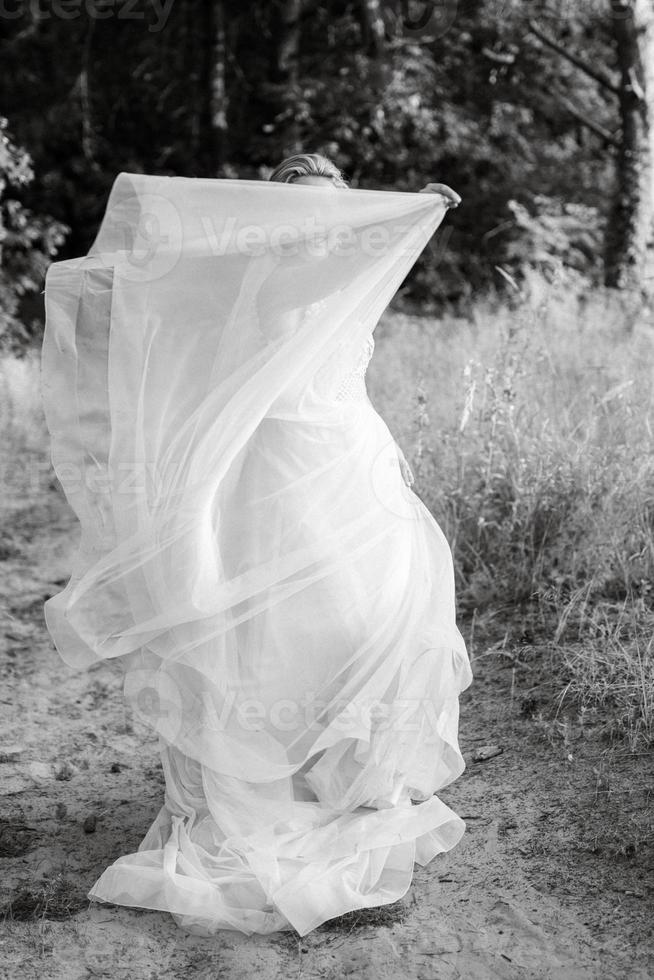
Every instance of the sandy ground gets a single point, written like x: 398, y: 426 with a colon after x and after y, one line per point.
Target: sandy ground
x: 552, y: 879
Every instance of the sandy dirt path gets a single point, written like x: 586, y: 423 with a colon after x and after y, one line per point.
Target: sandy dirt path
x: 552, y: 879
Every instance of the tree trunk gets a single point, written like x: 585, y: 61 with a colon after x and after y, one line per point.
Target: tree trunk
x: 219, y: 100
x: 214, y: 94
x: 192, y: 41
x: 374, y: 31
x: 630, y: 224
x: 288, y: 70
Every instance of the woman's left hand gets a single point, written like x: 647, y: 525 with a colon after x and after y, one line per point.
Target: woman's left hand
x: 453, y: 199
x: 405, y: 469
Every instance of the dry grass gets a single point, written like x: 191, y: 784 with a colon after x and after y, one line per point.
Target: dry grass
x: 56, y: 899
x: 579, y: 822
x: 21, y: 415
x: 610, y: 667
x: 25, y: 469
x: 380, y: 915
x: 530, y: 430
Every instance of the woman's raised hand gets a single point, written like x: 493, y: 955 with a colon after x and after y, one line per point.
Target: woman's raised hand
x: 453, y: 199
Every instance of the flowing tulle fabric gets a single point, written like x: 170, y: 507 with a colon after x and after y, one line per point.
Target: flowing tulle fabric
x: 281, y: 602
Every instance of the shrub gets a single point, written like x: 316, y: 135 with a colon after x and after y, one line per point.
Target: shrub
x: 27, y: 244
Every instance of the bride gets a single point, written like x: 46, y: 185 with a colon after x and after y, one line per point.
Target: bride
x: 251, y: 552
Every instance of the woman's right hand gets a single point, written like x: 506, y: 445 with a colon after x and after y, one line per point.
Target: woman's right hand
x: 453, y: 199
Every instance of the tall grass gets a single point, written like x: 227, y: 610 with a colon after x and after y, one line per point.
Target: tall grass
x: 531, y: 436
x: 22, y: 426
x: 25, y: 470
x: 530, y: 428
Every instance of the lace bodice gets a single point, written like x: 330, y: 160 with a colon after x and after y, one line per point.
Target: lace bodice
x: 341, y: 378
x: 353, y: 385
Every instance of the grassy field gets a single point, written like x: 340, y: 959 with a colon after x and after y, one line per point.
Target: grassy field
x: 530, y: 432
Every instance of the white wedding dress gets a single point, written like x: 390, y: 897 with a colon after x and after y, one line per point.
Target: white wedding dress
x: 283, y: 604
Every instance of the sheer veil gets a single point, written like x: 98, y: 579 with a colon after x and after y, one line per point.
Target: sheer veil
x: 202, y: 307
x: 232, y: 539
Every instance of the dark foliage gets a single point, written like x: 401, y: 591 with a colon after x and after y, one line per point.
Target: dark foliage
x: 466, y: 96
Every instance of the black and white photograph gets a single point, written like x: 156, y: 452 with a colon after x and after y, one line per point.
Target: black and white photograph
x: 326, y: 489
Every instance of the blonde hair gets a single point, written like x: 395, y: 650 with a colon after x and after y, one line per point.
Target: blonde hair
x: 307, y: 165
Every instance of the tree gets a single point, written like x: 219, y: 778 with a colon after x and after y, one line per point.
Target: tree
x: 27, y: 244
x: 629, y: 229
x: 287, y: 72
x: 221, y: 89
x: 374, y: 30
x: 630, y: 226
x: 214, y: 99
